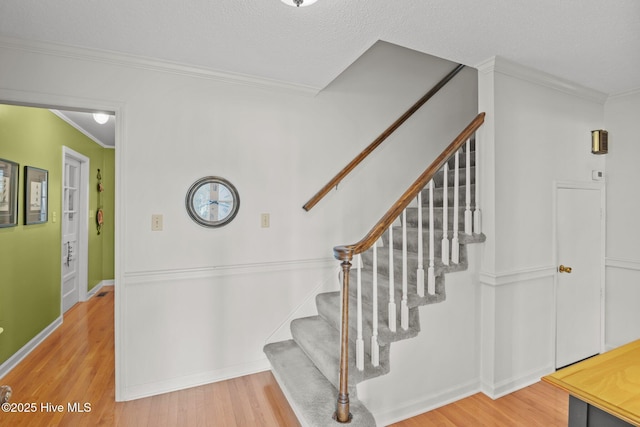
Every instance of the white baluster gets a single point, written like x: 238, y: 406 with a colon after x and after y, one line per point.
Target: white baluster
x: 431, y: 276
x: 477, y: 215
x: 455, y: 247
x: 375, y: 348
x: 420, y: 272
x: 404, y: 308
x: 359, y: 340
x: 445, y: 216
x: 392, y: 291
x: 468, y: 218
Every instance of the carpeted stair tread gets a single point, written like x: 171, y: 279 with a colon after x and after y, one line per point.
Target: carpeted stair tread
x: 412, y: 217
x: 462, y: 160
x: 321, y: 343
x: 412, y: 265
x: 438, y: 178
x: 383, y: 291
x: 438, y: 195
x: 412, y: 239
x: 329, y: 306
x: 311, y: 395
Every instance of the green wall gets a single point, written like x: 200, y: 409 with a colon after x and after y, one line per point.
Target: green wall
x: 30, y: 256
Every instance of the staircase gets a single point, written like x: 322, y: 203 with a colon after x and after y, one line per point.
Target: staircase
x: 307, y: 367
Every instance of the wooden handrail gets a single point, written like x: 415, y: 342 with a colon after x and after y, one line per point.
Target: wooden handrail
x: 346, y: 252
x: 384, y: 135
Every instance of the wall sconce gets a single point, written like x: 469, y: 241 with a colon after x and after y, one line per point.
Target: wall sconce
x: 298, y: 3
x: 599, y: 141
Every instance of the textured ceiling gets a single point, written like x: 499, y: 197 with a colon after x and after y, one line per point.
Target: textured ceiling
x: 595, y: 43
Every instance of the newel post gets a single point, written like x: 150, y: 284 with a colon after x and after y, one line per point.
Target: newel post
x: 342, y: 414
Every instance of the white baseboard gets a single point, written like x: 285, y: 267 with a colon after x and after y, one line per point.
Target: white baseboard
x: 495, y: 391
x: 99, y: 286
x: 17, y: 357
x: 434, y: 401
x: 151, y: 389
x: 425, y: 404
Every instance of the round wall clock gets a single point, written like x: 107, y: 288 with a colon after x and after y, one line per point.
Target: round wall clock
x: 212, y: 201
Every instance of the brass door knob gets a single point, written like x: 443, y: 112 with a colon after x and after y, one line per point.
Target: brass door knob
x: 564, y: 269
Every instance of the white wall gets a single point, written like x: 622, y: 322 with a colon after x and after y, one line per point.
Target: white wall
x: 537, y: 132
x: 196, y: 305
x: 440, y: 364
x: 623, y: 204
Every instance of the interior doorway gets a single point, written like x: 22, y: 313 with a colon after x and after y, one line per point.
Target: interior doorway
x: 74, y: 224
x: 79, y: 107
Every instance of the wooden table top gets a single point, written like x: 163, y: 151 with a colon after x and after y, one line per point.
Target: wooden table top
x: 609, y: 381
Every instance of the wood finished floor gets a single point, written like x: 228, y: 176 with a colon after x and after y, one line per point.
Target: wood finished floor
x: 76, y: 364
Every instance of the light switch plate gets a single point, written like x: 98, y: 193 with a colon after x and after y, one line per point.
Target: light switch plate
x: 156, y: 222
x: 265, y: 220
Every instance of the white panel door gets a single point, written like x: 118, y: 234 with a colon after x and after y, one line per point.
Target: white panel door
x: 578, y: 292
x: 70, y: 231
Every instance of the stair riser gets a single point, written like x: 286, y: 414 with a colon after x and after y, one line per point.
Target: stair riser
x: 462, y: 160
x: 412, y: 265
x: 438, y: 196
x: 329, y: 309
x: 383, y: 265
x: 329, y: 304
x: 438, y: 178
x: 412, y: 218
x: 383, y: 288
x: 412, y: 241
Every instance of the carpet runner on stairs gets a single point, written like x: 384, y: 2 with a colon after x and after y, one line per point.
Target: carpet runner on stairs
x: 307, y: 366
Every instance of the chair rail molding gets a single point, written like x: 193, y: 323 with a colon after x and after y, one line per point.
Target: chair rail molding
x: 624, y: 263
x: 516, y: 276
x: 138, y: 277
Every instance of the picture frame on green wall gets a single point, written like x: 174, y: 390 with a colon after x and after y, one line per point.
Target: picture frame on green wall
x: 8, y: 193
x: 36, y: 182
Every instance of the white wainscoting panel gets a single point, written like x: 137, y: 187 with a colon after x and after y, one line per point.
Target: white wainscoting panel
x: 622, y: 296
x: 191, y: 327
x: 517, y: 328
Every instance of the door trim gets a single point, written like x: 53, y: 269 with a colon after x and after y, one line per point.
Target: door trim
x: 580, y: 185
x: 83, y: 228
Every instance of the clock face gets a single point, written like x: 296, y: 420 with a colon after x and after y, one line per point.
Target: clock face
x: 212, y: 201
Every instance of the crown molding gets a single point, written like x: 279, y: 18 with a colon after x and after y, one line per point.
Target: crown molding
x: 151, y: 64
x: 79, y: 128
x: 625, y: 94
x: 504, y: 66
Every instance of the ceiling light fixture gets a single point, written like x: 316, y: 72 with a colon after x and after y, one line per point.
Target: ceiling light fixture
x: 101, y: 118
x: 298, y: 3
